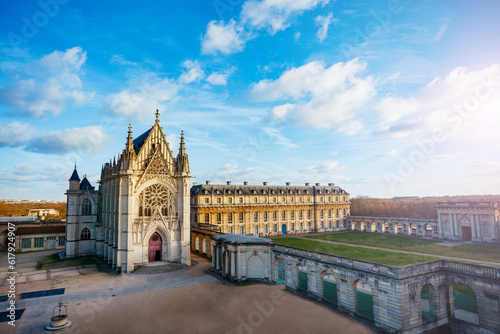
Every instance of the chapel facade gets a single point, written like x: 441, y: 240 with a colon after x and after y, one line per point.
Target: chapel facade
x: 140, y: 213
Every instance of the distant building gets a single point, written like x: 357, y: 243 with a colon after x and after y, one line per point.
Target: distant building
x: 35, y: 238
x: 469, y: 221
x: 270, y: 210
x: 43, y: 213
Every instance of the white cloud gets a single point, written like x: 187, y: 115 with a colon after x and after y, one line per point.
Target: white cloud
x: 389, y: 155
x: 144, y: 98
x: 194, y: 72
x: 223, y: 38
x: 278, y: 138
x: 46, y: 85
x: 323, y: 22
x: 220, y: 78
x: 391, y: 109
x: 275, y: 15
x: 14, y: 134
x: 82, y: 140
x: 296, y: 36
x: 325, y: 97
x: 272, y: 15
x: 322, y: 167
x: 463, y: 98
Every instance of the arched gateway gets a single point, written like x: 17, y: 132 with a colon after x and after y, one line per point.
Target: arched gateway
x: 154, y: 248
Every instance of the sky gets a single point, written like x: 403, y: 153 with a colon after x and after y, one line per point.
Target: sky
x: 383, y: 98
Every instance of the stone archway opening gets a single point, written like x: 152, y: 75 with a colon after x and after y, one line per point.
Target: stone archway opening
x: 154, y: 248
x: 363, y: 299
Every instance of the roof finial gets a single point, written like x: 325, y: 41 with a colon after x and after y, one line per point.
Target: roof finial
x: 75, y: 164
x: 157, y: 114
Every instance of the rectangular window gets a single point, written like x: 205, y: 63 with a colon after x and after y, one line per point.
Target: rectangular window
x: 329, y: 213
x: 265, y: 229
x: 265, y: 216
x: 255, y: 216
x: 62, y: 241
x: 321, y: 199
x: 207, y: 218
x: 301, y: 226
x: 51, y: 238
x: 283, y: 215
x: 207, y: 200
x: 255, y: 199
x: 329, y: 224
x: 26, y: 242
x: 241, y: 217
x: 219, y: 218
x: 308, y: 199
x: 300, y: 214
x: 308, y: 214
x: 242, y: 230
x: 337, y: 213
x: 275, y: 215
x: 256, y: 230
x: 292, y: 215
x: 309, y: 226
x: 322, y: 225
x: 38, y: 242
x: 300, y: 199
x: 275, y: 228
x: 293, y: 227
x: 241, y: 199
x: 230, y: 230
x: 230, y: 217
x: 219, y: 200
x: 230, y: 200
x: 321, y: 214
x: 338, y: 225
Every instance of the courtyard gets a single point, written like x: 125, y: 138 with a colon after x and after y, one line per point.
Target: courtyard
x: 186, y: 300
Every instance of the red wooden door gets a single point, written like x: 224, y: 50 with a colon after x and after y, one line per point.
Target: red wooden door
x: 154, y: 245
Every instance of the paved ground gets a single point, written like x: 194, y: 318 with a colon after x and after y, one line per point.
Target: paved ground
x: 160, y: 299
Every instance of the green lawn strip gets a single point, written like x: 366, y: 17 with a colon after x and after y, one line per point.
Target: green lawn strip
x: 488, y: 253
x: 53, y: 261
x: 359, y: 253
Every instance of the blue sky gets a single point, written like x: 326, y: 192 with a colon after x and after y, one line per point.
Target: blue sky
x: 383, y: 98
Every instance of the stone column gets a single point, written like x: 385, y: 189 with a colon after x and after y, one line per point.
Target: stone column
x: 479, y: 228
x: 233, y: 267
x: 213, y: 257
x: 494, y: 231
x: 238, y: 264
x: 440, y: 227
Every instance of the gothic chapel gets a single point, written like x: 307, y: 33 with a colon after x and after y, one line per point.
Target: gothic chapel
x: 140, y: 213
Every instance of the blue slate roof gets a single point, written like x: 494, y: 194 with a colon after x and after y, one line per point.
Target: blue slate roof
x: 85, y: 185
x: 139, y: 141
x: 74, y: 176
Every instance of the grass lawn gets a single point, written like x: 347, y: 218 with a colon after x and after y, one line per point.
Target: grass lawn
x: 372, y: 255
x: 53, y: 261
x: 488, y: 253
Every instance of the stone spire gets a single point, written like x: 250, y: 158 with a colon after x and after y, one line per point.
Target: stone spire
x: 157, y: 115
x: 182, y: 158
x: 130, y: 140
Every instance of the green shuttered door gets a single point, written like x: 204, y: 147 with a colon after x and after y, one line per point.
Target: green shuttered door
x: 364, y: 304
x: 330, y: 291
x: 302, y: 280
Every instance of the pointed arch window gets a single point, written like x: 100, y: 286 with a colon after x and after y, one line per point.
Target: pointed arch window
x: 86, y: 207
x: 85, y: 235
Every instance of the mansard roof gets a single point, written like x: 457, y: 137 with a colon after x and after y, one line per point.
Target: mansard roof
x: 85, y: 185
x: 74, y: 176
x: 208, y: 189
x: 139, y: 141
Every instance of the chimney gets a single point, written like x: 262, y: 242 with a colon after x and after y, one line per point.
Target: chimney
x: 195, y: 184
x: 208, y: 182
x: 264, y: 183
x: 307, y: 184
x: 331, y: 184
x: 245, y: 183
x: 317, y: 184
x: 228, y: 183
x: 288, y: 183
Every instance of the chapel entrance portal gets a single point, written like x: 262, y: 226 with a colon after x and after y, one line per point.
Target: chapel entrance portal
x: 466, y: 233
x: 154, y: 245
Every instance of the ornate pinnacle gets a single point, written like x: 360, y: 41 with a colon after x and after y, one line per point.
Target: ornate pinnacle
x: 130, y: 140
x: 157, y: 115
